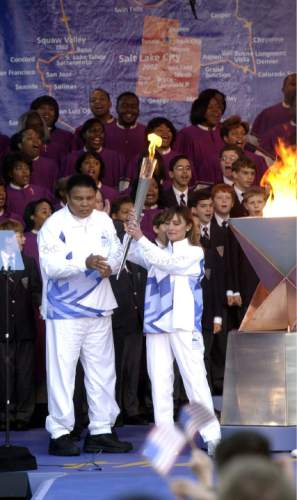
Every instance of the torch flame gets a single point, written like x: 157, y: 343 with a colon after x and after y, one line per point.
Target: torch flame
x: 281, y: 179
x: 155, y: 141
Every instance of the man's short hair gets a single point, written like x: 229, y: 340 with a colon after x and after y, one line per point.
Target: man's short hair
x: 222, y: 188
x: 231, y: 147
x: 100, y: 89
x: 243, y: 162
x: 255, y: 190
x: 118, y: 202
x: 239, y: 444
x: 175, y: 159
x: 196, y: 196
x: 126, y: 94
x: 80, y: 180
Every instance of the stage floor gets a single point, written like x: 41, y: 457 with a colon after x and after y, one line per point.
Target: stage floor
x: 102, y: 476
x: 121, y: 475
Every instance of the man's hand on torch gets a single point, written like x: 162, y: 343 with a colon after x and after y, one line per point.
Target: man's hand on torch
x: 100, y: 264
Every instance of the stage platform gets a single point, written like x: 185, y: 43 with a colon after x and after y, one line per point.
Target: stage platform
x: 121, y: 475
x: 101, y: 477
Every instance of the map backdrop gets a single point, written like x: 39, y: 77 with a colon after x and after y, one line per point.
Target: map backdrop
x: 166, y: 51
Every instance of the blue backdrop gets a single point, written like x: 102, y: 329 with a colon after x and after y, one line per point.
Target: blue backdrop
x: 165, y: 50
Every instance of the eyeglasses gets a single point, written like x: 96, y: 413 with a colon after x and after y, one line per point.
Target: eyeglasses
x: 186, y: 168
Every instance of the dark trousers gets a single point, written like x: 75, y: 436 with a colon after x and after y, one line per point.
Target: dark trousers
x: 128, y: 356
x: 21, y: 361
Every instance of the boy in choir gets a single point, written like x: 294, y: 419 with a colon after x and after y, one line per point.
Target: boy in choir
x: 45, y: 171
x: 229, y: 154
x: 244, y: 174
x: 245, y: 278
x: 202, y: 141
x: 100, y: 105
x: 92, y: 164
x: 92, y: 134
x: 24, y: 293
x: 159, y: 228
x: 60, y: 140
x: 17, y: 169
x: 180, y: 173
x: 127, y: 323
x: 278, y: 113
x: 234, y: 131
x: 126, y: 135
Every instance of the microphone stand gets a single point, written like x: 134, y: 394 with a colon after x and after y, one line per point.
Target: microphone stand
x: 12, y: 458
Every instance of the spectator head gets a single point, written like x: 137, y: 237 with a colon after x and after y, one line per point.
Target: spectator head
x: 29, y: 141
x: 228, y: 155
x: 159, y: 227
x: 255, y: 478
x: 17, y: 168
x: 48, y: 108
x: 32, y: 119
x: 202, y: 204
x: 234, y: 131
x: 164, y: 128
x: 223, y: 197
x: 91, y: 164
x: 180, y: 172
x: 289, y: 87
x: 208, y: 108
x: 60, y: 189
x: 36, y: 213
x: 92, y: 134
x: 254, y: 200
x: 128, y: 109
x: 121, y: 207
x: 244, y: 173
x: 100, y: 103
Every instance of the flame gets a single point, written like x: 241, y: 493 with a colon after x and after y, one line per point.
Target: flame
x: 281, y: 181
x: 155, y: 141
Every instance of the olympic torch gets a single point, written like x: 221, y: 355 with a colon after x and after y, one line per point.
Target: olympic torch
x: 146, y: 173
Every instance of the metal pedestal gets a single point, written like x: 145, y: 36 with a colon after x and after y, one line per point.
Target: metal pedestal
x: 260, y: 386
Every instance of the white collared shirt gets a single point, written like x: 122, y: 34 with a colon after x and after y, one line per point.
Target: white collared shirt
x: 220, y: 219
x: 239, y: 193
x: 178, y: 194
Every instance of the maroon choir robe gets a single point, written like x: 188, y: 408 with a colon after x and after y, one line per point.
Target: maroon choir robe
x: 18, y: 199
x: 31, y: 247
x: 269, y: 118
x: 132, y: 171
x: 108, y: 192
x: 45, y: 173
x: 128, y: 142
x: 114, y: 166
x: 203, y: 149
x: 285, y: 131
x: 59, y: 144
x: 7, y: 214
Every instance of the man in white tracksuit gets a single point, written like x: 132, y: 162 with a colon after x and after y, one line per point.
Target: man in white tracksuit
x: 78, y: 250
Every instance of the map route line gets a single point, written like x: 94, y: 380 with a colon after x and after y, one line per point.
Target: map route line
x: 249, y: 26
x: 65, y: 20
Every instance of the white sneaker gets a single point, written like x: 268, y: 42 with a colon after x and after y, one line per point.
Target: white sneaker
x: 211, y: 447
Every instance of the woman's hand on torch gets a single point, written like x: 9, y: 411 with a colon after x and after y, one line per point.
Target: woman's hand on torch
x: 132, y: 227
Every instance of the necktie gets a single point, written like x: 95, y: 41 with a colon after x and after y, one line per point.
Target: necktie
x: 182, y: 201
x: 205, y: 232
x: 225, y: 224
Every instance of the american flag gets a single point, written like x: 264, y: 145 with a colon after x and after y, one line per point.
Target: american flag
x: 162, y: 446
x: 193, y: 418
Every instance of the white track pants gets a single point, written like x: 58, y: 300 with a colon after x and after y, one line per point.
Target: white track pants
x: 89, y: 339
x: 162, y: 349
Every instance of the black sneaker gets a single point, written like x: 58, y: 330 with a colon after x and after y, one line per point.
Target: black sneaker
x: 63, y: 447
x: 106, y: 443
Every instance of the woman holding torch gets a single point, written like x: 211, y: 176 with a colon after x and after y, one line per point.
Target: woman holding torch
x: 172, y: 317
